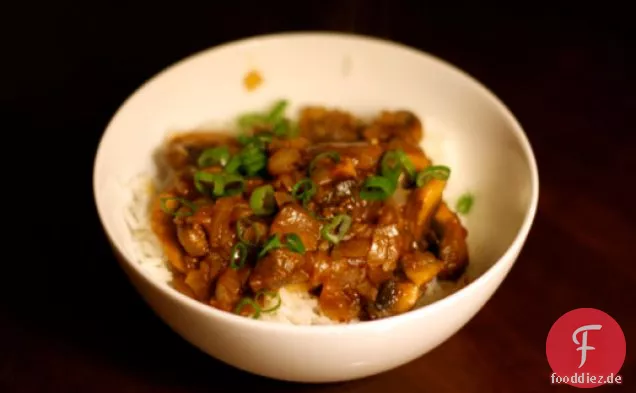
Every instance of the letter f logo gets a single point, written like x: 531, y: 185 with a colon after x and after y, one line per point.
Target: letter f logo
x: 584, y: 347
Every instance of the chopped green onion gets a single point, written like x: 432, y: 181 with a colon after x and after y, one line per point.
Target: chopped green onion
x: 407, y: 164
x: 336, y: 229
x: 440, y: 172
x: 281, y: 128
x: 224, y: 184
x: 377, y: 188
x: 390, y: 165
x: 272, y: 243
x: 201, y: 177
x: 394, y: 162
x: 263, y: 138
x: 253, y: 159
x: 246, y: 301
x: 275, y: 295
x: 465, y: 203
x: 233, y: 164
x: 251, y: 120
x: 335, y: 157
x: 244, y: 139
x: 304, y: 190
x: 214, y: 156
x: 277, y: 113
x: 275, y: 119
x: 176, y: 212
x: 241, y: 228
x: 294, y: 243
x: 233, y: 185
x: 238, y: 255
x: 259, y: 139
x: 262, y: 200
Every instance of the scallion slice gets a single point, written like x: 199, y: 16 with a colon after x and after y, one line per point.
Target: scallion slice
x: 253, y: 159
x: 223, y: 184
x: 246, y: 301
x: 233, y: 164
x: 204, y: 177
x: 465, y: 203
x: 440, y: 172
x: 262, y: 200
x: 251, y: 120
x: 271, y: 244
x: 215, y: 156
x: 265, y: 293
x: 232, y: 185
x: 242, y: 225
x: 304, y: 190
x: 394, y: 163
x: 277, y: 113
x: 407, y: 164
x: 333, y: 155
x: 238, y: 255
x: 175, y: 211
x: 253, y: 303
x: 294, y: 243
x: 390, y: 166
x: 336, y: 230
x: 378, y: 188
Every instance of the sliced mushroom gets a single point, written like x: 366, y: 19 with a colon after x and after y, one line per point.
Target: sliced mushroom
x: 421, y: 267
x: 453, y: 250
x: 394, y: 297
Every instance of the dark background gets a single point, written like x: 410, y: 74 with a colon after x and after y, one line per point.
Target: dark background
x: 69, y: 320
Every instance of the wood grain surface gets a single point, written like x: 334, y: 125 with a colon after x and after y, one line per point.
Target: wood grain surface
x: 71, y: 322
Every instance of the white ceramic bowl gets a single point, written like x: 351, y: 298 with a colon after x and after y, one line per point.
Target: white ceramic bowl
x: 466, y: 127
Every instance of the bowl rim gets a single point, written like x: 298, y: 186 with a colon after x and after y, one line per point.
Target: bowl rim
x: 380, y: 324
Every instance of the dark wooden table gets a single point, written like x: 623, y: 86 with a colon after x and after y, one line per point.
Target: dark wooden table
x: 72, y: 323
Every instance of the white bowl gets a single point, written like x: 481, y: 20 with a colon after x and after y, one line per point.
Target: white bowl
x: 466, y: 127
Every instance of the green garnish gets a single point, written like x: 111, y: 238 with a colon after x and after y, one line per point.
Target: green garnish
x: 253, y: 159
x: 277, y: 113
x: 223, y: 184
x: 214, y: 156
x: 238, y: 255
x: 390, y: 165
x: 271, y: 244
x: 257, y: 307
x: 377, y: 188
x: 334, y: 156
x: 304, y: 190
x: 251, y: 120
x: 282, y: 128
x: 233, y: 164
x: 260, y: 139
x: 465, y: 203
x: 182, y: 202
x: 262, y: 200
x: 246, y: 301
x: 275, y: 295
x: 274, y: 120
x: 336, y: 229
x: 294, y: 243
x: 241, y: 227
x: 394, y: 163
x: 439, y: 172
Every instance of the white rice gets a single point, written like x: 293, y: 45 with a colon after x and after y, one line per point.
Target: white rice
x: 296, y: 307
